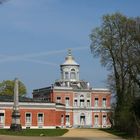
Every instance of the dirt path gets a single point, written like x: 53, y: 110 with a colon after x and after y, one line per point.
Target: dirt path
x: 88, y: 133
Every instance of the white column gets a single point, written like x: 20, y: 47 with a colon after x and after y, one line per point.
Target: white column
x: 16, y: 103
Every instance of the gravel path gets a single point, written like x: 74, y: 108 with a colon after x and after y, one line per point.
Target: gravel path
x: 89, y: 133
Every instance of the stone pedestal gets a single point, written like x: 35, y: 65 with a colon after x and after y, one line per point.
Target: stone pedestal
x: 16, y: 126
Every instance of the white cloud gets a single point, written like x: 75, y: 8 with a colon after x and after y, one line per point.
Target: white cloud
x: 30, y: 57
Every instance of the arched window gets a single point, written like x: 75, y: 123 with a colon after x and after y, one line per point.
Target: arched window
x: 96, y: 120
x: 82, y: 119
x: 104, y: 102
x: 66, y: 75
x: 82, y: 101
x: 73, y: 74
x: 81, y: 96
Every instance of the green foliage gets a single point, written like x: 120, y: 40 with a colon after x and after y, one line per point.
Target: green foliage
x: 7, y: 88
x: 124, y: 119
x: 116, y: 42
x: 35, y: 132
x: 136, y: 107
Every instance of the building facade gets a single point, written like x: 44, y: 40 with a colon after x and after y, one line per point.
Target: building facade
x: 69, y: 102
x: 84, y: 106
x: 33, y: 113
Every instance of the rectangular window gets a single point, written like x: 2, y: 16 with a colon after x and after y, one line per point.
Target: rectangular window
x: 40, y: 118
x: 96, y: 102
x: 96, y: 120
x: 104, y: 102
x: 67, y: 118
x: 88, y: 103
x: 62, y: 119
x: 58, y: 100
x: 1, y: 118
x: 104, y: 120
x: 75, y: 102
x: 67, y: 101
x: 82, y: 103
x: 66, y: 75
x: 28, y: 118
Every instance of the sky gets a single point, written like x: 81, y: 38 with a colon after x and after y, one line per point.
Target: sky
x: 36, y: 34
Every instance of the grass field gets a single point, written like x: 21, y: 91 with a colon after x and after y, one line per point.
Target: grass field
x: 35, y: 132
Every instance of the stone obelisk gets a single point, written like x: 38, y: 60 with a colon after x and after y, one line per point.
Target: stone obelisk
x: 16, y: 126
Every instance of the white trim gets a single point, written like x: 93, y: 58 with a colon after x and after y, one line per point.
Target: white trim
x: 67, y: 111
x: 38, y: 121
x: 28, y: 103
x: 2, y: 111
x: 43, y: 127
x: 60, y: 110
x: 98, y: 126
x: 96, y: 111
x: 101, y: 108
x: 103, y: 89
x: 2, y: 124
x: 35, y: 108
x: 64, y: 88
x: 6, y: 127
x: 28, y: 123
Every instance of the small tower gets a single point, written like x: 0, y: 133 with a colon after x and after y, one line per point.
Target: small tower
x: 16, y: 126
x: 70, y: 68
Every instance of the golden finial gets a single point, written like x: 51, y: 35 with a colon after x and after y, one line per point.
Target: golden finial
x: 69, y: 52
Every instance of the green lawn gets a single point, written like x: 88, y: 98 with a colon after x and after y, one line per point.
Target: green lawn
x: 35, y: 132
x: 116, y: 132
x: 120, y: 134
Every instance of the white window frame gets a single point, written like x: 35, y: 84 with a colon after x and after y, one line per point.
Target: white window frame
x: 40, y: 122
x: 2, y: 120
x: 96, y: 120
x: 82, y: 102
x: 58, y: 100
x: 28, y: 122
x: 67, y: 119
x: 73, y: 74
x: 88, y: 103
x: 75, y: 103
x: 104, y: 120
x: 67, y: 101
x: 62, y: 120
x: 66, y: 75
x: 104, y: 102
x: 96, y: 102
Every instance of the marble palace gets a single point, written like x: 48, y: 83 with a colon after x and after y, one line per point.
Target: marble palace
x: 68, y: 102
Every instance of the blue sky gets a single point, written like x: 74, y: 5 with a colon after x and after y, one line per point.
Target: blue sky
x: 35, y: 36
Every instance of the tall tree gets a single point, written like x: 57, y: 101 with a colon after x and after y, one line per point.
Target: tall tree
x: 115, y: 41
x: 7, y: 88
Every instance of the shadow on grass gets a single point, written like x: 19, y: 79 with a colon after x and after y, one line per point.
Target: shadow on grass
x: 34, y: 132
x: 120, y: 133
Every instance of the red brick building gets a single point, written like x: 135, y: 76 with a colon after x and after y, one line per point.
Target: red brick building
x: 34, y: 114
x: 69, y: 102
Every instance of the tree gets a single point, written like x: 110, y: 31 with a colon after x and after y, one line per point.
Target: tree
x: 7, y: 88
x: 116, y: 42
